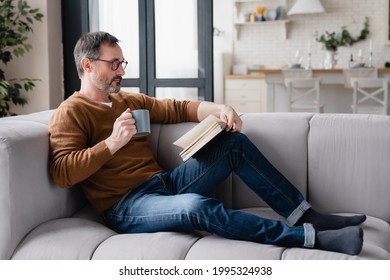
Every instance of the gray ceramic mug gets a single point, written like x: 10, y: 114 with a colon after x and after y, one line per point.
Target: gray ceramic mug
x: 142, y: 122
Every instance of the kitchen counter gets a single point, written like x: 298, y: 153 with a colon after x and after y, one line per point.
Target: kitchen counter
x: 335, y: 95
x: 251, y: 76
x: 261, y: 73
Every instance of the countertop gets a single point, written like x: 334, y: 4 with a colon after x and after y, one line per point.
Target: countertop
x: 260, y: 73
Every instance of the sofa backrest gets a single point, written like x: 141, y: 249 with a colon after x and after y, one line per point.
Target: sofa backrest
x: 167, y: 154
x: 282, y: 138
x: 349, y: 164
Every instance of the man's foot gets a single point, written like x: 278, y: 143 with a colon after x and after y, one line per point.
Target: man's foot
x: 328, y: 222
x: 348, y: 240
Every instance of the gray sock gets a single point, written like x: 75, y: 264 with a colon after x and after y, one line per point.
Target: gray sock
x: 348, y: 240
x: 328, y: 221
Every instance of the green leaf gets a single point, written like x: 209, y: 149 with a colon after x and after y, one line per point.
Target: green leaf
x: 3, y: 104
x: 16, y: 22
x: 29, y: 86
x: 38, y: 16
x: 27, y: 47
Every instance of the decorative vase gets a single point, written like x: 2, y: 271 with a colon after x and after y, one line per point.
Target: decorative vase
x: 330, y: 59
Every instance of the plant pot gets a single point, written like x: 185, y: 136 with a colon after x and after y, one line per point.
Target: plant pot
x: 330, y: 59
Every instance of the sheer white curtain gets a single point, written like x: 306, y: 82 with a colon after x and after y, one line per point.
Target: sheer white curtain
x: 176, y: 38
x: 120, y: 18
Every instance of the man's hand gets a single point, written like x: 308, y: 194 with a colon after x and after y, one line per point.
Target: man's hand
x: 123, y: 130
x: 232, y: 119
x: 224, y: 112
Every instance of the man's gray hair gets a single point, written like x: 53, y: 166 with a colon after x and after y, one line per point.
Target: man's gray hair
x: 89, y: 46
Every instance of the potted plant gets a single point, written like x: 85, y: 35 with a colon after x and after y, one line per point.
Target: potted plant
x: 16, y: 19
x: 332, y: 41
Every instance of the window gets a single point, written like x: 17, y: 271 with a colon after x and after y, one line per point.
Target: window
x: 168, y: 43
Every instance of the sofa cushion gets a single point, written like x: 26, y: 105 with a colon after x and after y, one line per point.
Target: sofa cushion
x: 376, y: 245
x: 167, y: 154
x: 149, y: 246
x: 40, y: 117
x: 217, y: 248
x: 349, y: 159
x: 214, y: 247
x: 282, y: 138
x: 63, y: 239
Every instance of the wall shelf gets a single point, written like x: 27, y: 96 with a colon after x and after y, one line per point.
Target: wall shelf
x: 241, y: 7
x: 260, y: 24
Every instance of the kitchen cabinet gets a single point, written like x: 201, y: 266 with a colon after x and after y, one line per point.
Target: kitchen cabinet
x: 273, y: 8
x: 246, y: 94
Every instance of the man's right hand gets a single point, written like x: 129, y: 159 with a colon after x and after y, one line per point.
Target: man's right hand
x: 123, y: 130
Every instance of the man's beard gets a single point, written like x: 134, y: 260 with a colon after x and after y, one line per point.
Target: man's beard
x: 108, y: 87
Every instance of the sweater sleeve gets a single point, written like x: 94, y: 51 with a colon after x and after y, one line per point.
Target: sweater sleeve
x: 164, y: 110
x: 71, y: 160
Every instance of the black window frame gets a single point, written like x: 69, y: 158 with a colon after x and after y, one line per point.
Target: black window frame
x: 75, y: 22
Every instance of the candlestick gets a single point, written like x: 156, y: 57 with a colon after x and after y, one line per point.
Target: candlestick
x: 370, y: 54
x: 308, y: 61
x: 370, y: 59
x: 370, y: 46
x: 308, y: 55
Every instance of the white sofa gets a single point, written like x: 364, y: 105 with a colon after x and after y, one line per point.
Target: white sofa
x: 340, y: 162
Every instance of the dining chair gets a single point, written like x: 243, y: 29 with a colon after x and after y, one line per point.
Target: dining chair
x: 362, y: 72
x: 370, y: 96
x: 303, y: 90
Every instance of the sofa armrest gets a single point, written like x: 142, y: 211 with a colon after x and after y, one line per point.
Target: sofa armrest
x: 28, y: 197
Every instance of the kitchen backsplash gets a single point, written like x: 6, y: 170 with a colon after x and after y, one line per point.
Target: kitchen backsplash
x: 273, y: 46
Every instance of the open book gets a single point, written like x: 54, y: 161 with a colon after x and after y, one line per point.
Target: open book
x: 199, y: 135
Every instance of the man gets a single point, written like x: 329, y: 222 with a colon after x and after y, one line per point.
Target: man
x: 92, y: 145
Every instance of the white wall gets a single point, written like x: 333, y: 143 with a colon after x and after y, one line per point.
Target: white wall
x: 266, y: 45
x: 44, y: 62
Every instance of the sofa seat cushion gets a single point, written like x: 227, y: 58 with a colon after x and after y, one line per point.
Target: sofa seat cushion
x: 369, y: 252
x: 213, y: 247
x: 376, y: 245
x: 63, y: 239
x: 376, y: 242
x: 147, y: 246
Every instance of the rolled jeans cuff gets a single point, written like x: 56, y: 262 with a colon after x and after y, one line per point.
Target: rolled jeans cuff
x: 310, y: 235
x: 298, y: 212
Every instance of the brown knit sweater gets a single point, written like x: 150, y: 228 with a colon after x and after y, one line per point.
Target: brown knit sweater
x: 79, y: 155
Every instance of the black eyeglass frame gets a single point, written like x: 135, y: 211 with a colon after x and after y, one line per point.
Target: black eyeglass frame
x: 114, y: 63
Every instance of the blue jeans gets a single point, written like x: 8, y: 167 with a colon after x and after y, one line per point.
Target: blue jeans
x: 179, y: 200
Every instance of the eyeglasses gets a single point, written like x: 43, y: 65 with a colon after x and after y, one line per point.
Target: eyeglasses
x: 114, y: 63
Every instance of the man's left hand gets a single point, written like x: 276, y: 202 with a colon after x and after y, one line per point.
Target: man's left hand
x: 232, y: 119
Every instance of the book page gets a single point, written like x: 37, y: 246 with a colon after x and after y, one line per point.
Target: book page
x: 205, y: 135
x: 201, y: 142
x: 198, y: 131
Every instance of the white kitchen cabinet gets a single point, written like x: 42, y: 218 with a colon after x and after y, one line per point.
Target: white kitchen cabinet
x: 246, y: 95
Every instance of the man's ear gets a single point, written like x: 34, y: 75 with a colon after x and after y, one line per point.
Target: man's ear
x: 86, y: 64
